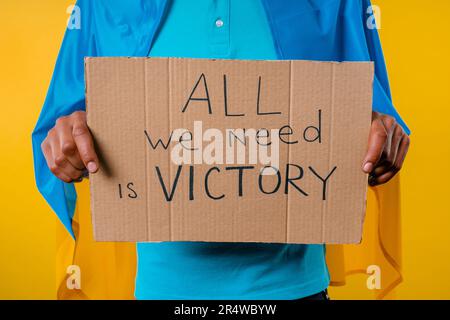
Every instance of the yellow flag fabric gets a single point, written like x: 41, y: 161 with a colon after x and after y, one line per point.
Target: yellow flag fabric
x: 107, y: 270
x: 381, y: 245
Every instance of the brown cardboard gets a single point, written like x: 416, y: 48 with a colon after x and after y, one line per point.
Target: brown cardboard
x: 132, y: 99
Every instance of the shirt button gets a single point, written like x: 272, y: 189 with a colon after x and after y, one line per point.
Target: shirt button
x: 219, y: 23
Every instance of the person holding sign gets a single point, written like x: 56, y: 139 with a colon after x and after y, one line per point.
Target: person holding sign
x: 229, y: 29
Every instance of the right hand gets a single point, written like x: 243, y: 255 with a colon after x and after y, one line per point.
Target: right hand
x: 69, y: 148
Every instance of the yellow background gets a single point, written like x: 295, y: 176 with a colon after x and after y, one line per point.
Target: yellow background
x: 416, y: 41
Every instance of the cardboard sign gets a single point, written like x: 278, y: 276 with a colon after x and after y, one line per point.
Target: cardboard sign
x: 228, y: 150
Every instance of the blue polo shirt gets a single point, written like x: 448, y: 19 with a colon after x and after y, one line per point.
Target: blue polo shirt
x: 228, y: 29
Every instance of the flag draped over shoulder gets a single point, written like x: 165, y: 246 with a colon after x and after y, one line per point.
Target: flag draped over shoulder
x: 326, y: 30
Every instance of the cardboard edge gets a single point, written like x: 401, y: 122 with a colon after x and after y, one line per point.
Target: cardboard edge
x: 88, y: 59
x: 86, y: 103
x: 371, y: 65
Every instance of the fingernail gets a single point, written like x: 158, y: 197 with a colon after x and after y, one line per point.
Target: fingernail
x: 368, y: 167
x: 92, y: 167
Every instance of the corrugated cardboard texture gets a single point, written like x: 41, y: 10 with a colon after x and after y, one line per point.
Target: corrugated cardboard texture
x: 132, y: 99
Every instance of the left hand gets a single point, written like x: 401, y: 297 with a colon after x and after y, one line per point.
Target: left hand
x: 388, y: 146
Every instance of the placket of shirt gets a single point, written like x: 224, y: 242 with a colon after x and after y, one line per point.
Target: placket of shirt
x: 219, y: 32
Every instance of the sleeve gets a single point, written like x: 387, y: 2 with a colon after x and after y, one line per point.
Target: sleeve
x: 65, y: 95
x: 382, y: 99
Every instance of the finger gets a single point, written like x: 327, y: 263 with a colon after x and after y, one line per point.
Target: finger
x: 377, y: 140
x: 63, y: 164
x: 390, y: 153
x: 46, y: 149
x: 85, y: 145
x: 402, y: 152
x: 397, y: 137
x: 68, y: 146
x: 381, y: 169
x: 401, y: 155
x: 375, y: 181
x: 382, y: 165
x: 78, y: 180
